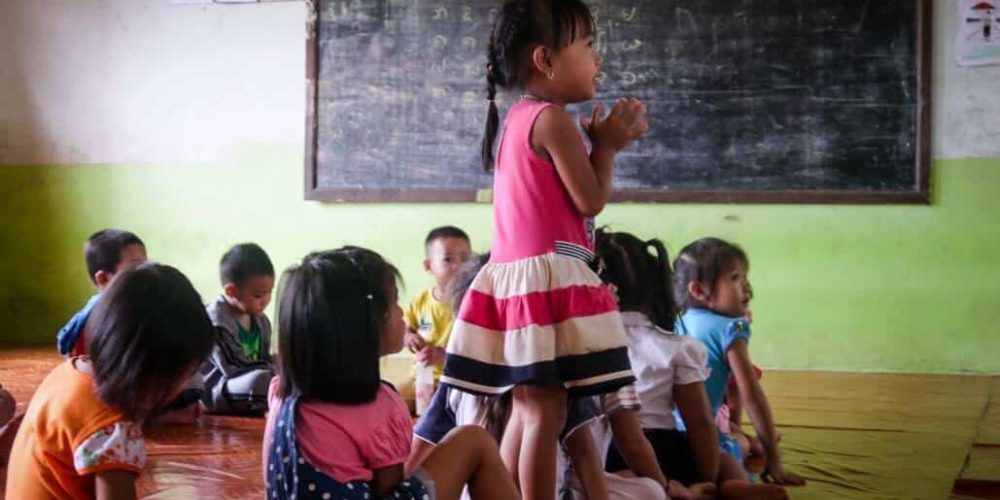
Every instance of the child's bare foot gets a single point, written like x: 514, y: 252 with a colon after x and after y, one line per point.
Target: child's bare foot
x: 750, y: 491
x: 779, y: 475
x: 700, y: 491
x: 678, y: 491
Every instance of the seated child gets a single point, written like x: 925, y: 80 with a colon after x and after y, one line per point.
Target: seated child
x: 670, y: 370
x: 714, y: 294
x: 107, y: 253
x: 429, y: 315
x: 239, y: 369
x: 82, y: 434
x: 335, y: 429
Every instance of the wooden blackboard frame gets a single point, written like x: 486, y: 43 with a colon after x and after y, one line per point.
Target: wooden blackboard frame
x: 919, y: 195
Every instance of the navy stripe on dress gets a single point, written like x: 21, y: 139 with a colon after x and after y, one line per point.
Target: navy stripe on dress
x: 497, y: 379
x: 573, y: 250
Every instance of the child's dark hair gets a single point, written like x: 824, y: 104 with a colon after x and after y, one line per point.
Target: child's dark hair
x: 445, y: 232
x: 641, y: 271
x: 498, y: 408
x: 460, y: 283
x: 703, y: 262
x: 331, y: 310
x: 103, y: 250
x: 520, y: 26
x: 242, y: 262
x: 148, y: 333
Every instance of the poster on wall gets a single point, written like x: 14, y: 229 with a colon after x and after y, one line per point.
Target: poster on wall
x: 977, y: 39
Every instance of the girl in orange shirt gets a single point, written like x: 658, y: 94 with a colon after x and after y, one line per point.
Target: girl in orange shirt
x: 81, y: 436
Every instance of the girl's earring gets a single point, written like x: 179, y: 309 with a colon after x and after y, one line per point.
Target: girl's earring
x: 551, y: 75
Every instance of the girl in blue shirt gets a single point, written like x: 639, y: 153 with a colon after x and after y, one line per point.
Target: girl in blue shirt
x: 710, y: 283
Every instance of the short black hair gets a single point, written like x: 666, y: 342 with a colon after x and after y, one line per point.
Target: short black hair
x: 641, y: 271
x: 103, y: 250
x: 331, y: 310
x: 445, y: 232
x: 703, y: 262
x: 242, y: 262
x: 459, y: 285
x: 148, y: 332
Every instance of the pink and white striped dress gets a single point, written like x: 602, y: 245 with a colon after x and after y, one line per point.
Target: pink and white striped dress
x: 536, y: 313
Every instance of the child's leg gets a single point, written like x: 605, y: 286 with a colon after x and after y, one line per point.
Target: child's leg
x: 510, y: 445
x: 468, y: 455
x: 543, y: 415
x: 733, y: 479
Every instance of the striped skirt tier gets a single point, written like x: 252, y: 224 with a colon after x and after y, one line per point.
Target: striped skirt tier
x: 542, y: 320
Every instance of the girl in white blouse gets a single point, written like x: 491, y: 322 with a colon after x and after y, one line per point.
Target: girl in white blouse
x: 670, y: 371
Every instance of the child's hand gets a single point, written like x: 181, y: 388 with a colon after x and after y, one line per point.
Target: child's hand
x: 431, y: 355
x: 624, y: 124
x: 778, y: 475
x: 699, y: 491
x: 413, y: 341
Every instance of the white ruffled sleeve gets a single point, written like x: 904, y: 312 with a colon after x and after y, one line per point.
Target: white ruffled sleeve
x: 119, y: 446
x: 691, y: 362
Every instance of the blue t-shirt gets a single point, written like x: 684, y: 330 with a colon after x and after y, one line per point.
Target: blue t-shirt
x: 68, y: 335
x: 717, y: 333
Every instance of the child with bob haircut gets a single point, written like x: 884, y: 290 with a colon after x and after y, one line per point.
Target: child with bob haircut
x: 335, y: 429
x: 82, y: 434
x: 711, y: 286
x: 671, y: 371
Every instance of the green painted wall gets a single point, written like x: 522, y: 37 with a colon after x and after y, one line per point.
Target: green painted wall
x: 911, y: 288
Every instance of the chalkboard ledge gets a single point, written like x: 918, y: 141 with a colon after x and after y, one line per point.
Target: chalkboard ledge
x: 629, y: 196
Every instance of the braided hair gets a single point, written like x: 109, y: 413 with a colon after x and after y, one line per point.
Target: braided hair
x: 519, y: 27
x: 641, y: 271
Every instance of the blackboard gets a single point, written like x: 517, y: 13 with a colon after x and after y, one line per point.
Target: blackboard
x: 806, y: 101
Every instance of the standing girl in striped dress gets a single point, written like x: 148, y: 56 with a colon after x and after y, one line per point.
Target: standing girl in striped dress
x: 537, y: 320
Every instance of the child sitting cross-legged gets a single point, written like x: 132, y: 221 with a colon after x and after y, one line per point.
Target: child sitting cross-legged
x: 239, y: 369
x: 334, y: 428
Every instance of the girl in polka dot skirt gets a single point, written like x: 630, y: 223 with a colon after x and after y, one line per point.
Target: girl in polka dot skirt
x: 335, y: 430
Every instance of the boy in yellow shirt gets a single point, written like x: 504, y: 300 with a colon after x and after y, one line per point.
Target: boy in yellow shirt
x: 429, y: 316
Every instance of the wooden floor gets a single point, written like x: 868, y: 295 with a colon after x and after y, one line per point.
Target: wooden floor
x: 851, y: 435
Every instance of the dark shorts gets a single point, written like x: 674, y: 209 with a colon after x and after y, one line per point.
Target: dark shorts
x: 673, y: 452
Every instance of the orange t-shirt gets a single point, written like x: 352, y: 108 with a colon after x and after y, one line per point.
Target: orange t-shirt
x: 67, y: 436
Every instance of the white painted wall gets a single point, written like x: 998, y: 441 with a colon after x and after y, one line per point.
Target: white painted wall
x: 966, y: 111
x: 117, y: 81
x: 122, y: 81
